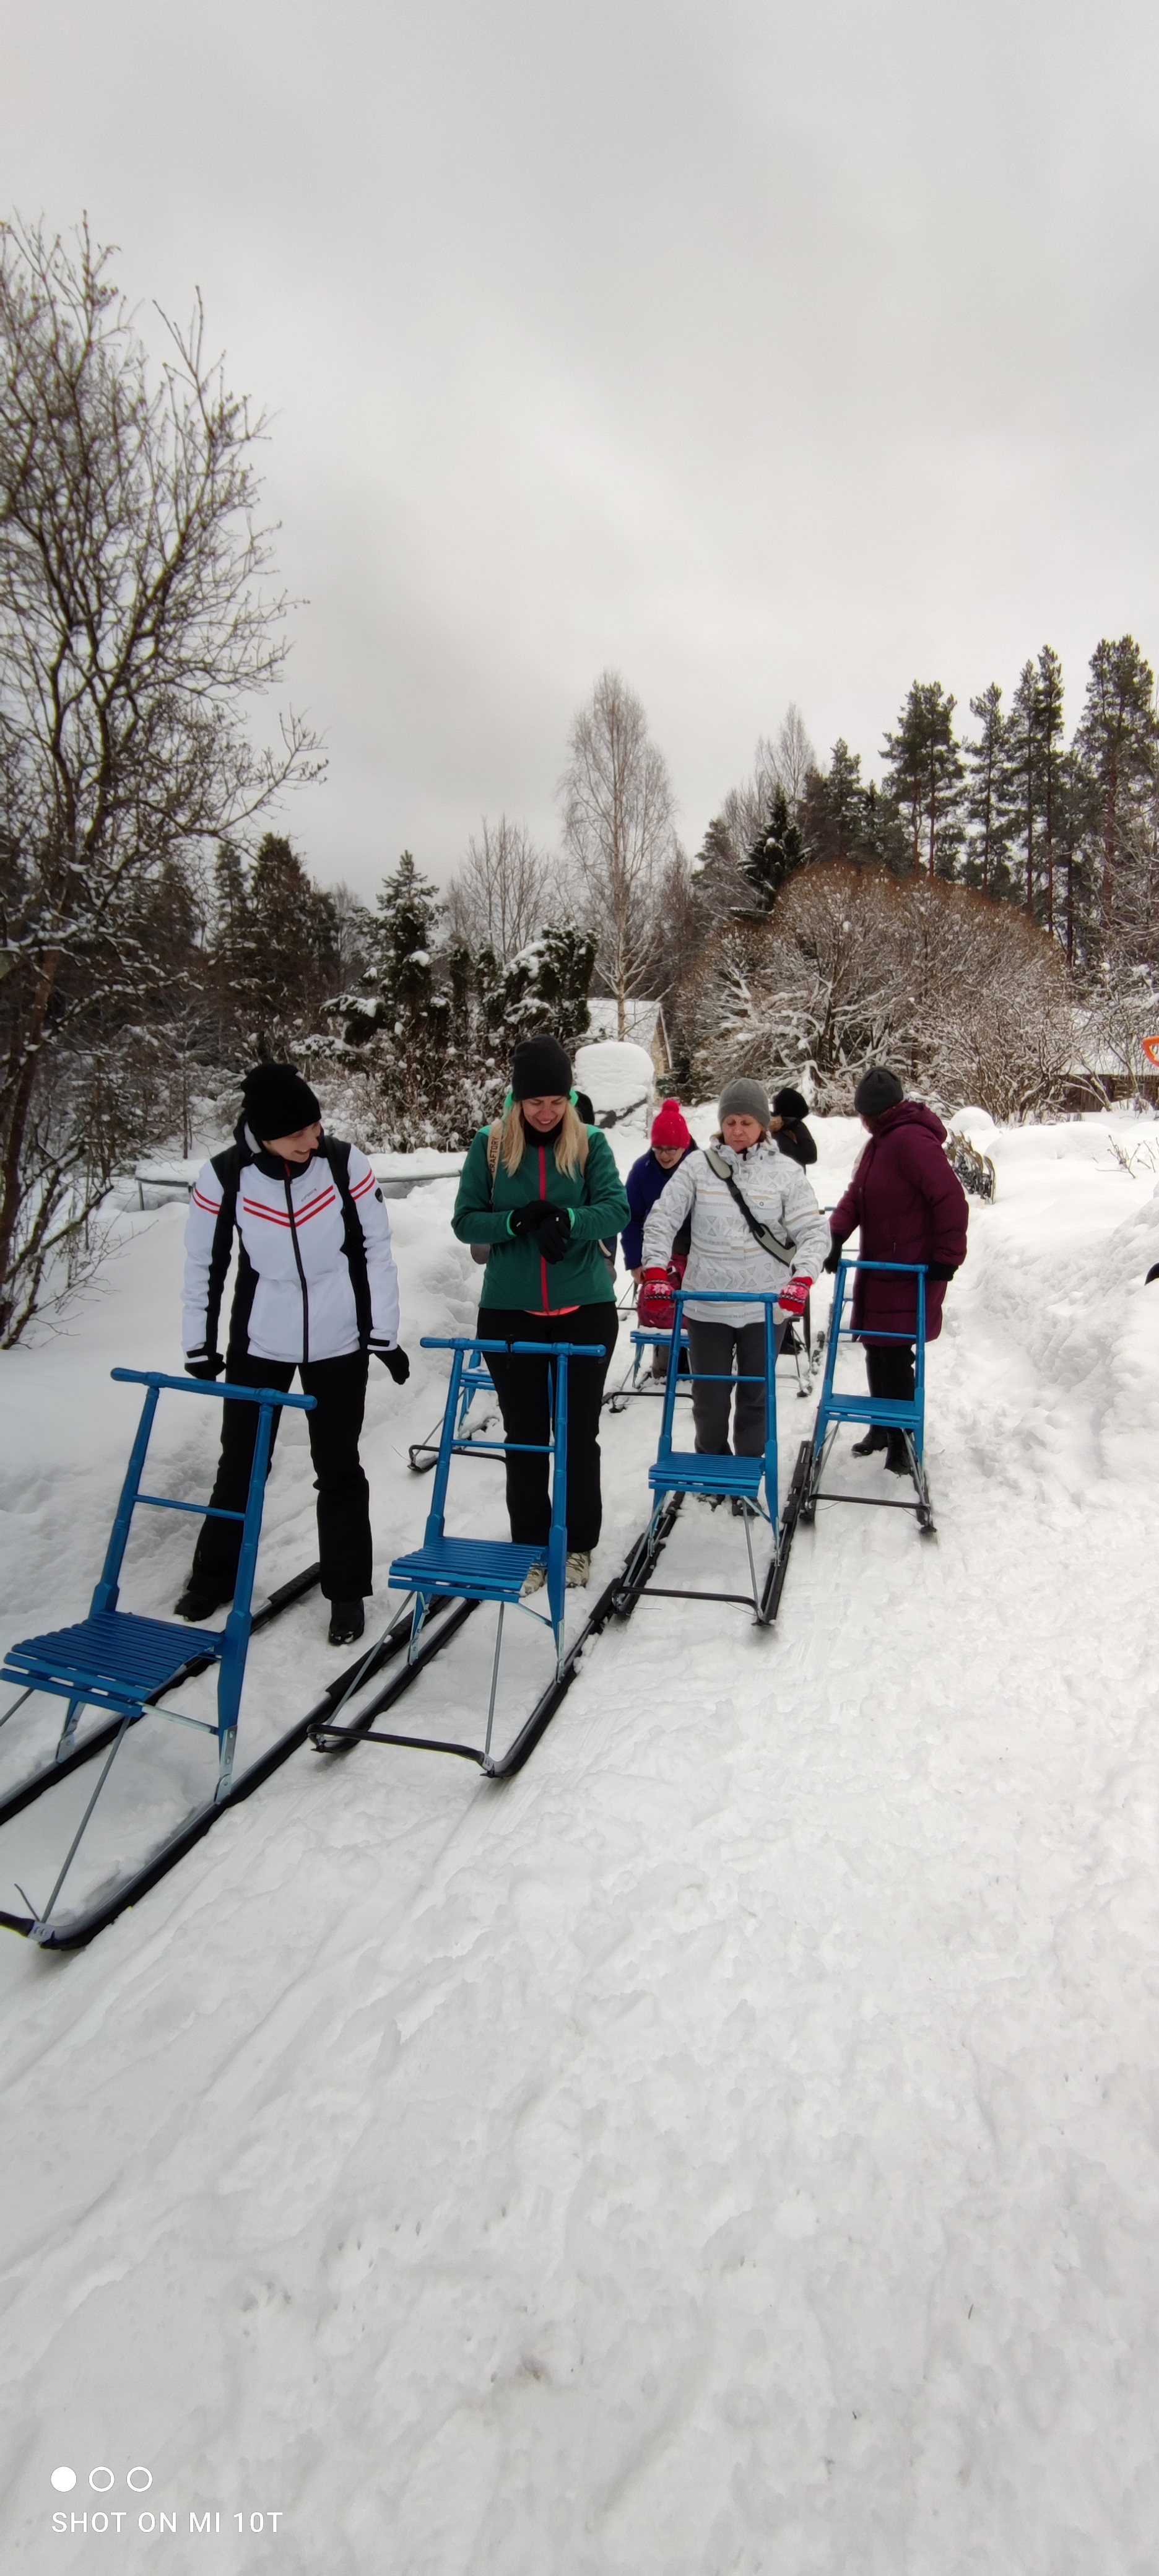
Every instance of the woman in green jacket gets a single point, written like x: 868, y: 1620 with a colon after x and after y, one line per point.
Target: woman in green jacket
x: 540, y: 1190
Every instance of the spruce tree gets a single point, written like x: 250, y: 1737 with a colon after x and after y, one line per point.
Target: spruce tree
x: 777, y: 851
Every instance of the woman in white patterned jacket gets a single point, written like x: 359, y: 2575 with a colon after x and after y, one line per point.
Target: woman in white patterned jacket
x: 725, y: 1253
x: 317, y: 1291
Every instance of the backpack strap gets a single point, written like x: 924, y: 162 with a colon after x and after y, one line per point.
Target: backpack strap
x: 763, y: 1234
x: 337, y: 1153
x: 228, y: 1167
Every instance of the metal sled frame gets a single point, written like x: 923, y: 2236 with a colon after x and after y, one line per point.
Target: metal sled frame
x: 468, y: 1571
x: 476, y: 1381
x: 890, y: 1412
x: 721, y: 1479
x: 122, y: 1664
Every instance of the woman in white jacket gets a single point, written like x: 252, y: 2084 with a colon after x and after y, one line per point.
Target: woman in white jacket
x: 725, y: 1253
x: 316, y: 1292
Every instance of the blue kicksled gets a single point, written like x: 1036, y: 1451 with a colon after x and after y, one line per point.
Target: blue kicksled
x: 892, y: 1413
x: 124, y: 1668
x: 467, y: 1571
x: 749, y: 1482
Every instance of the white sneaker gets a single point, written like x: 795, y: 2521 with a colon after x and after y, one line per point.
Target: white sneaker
x: 535, y: 1578
x: 579, y: 1566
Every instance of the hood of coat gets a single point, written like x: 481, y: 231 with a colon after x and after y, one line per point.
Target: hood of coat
x: 743, y: 1159
x: 909, y: 1113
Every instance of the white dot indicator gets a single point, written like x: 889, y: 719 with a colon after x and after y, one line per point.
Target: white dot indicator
x: 63, y: 2479
x: 139, y: 2479
x: 102, y: 2480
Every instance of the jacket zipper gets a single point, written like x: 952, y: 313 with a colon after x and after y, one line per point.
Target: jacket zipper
x: 543, y: 1195
x: 301, y: 1272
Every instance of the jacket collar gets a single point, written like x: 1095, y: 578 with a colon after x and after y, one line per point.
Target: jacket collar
x: 271, y: 1164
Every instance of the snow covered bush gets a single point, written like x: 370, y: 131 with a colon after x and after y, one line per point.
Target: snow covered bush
x: 962, y: 997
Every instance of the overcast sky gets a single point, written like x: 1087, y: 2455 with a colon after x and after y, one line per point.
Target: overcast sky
x: 764, y: 352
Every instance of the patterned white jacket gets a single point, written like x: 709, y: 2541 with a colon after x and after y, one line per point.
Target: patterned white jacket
x: 298, y: 1292
x: 724, y: 1254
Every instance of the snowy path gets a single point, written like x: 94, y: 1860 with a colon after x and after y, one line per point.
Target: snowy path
x: 733, y: 2145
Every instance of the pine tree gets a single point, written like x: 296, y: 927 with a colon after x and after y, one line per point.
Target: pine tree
x: 1049, y: 696
x: 1117, y: 741
x: 925, y: 776
x: 988, y: 795
x: 406, y: 910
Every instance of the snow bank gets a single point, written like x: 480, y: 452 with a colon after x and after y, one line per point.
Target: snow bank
x: 615, y: 1075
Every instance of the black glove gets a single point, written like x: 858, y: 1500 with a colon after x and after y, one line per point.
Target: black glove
x: 524, y: 1220
x: 555, y: 1236
x: 396, y: 1361
x: 203, y: 1363
x: 834, y: 1258
x: 940, y: 1269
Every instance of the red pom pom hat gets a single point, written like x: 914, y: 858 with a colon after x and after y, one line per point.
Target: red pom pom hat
x: 669, y: 1127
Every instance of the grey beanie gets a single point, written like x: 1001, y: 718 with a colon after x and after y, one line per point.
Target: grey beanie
x: 877, y: 1091
x: 744, y: 1099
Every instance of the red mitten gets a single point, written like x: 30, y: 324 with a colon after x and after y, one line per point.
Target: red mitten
x: 793, y: 1295
x: 655, y: 1304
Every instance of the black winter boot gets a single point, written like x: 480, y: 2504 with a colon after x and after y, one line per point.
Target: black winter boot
x: 199, y: 1600
x: 896, y: 1455
x: 347, y: 1621
x: 875, y: 1438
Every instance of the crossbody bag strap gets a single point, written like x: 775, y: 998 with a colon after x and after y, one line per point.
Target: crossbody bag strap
x: 763, y: 1234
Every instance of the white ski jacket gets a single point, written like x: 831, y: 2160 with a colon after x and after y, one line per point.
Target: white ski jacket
x: 315, y: 1279
x: 724, y: 1254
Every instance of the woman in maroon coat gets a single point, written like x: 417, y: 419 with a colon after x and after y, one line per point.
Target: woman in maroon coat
x: 910, y: 1206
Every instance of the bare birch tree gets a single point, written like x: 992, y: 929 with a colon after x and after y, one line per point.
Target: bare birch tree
x: 134, y: 628
x: 618, y: 810
x: 499, y: 896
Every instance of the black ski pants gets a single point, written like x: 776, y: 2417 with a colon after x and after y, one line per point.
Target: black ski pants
x: 712, y: 1348
x: 522, y: 1388
x: 344, y: 1542
x: 889, y: 1367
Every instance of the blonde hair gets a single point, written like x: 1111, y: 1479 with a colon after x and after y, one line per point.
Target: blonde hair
x: 507, y: 1136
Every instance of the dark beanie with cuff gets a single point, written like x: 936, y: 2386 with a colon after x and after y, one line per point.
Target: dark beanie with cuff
x: 540, y: 1070
x: 877, y: 1091
x: 277, y: 1101
x: 791, y: 1105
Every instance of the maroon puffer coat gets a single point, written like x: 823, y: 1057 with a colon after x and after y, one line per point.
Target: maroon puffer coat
x: 910, y: 1206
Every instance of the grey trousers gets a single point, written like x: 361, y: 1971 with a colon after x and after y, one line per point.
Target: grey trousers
x: 711, y: 1347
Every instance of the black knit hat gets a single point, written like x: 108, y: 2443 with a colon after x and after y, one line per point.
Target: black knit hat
x: 789, y: 1104
x: 877, y: 1091
x: 540, y: 1070
x: 278, y: 1101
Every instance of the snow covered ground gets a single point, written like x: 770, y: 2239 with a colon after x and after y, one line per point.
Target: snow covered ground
x: 731, y: 2146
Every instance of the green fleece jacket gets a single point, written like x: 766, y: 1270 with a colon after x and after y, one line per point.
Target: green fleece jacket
x: 516, y: 1273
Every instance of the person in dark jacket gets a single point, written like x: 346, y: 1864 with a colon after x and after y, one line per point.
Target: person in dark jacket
x: 671, y: 1140
x: 541, y: 1189
x: 787, y: 1124
x: 910, y: 1206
